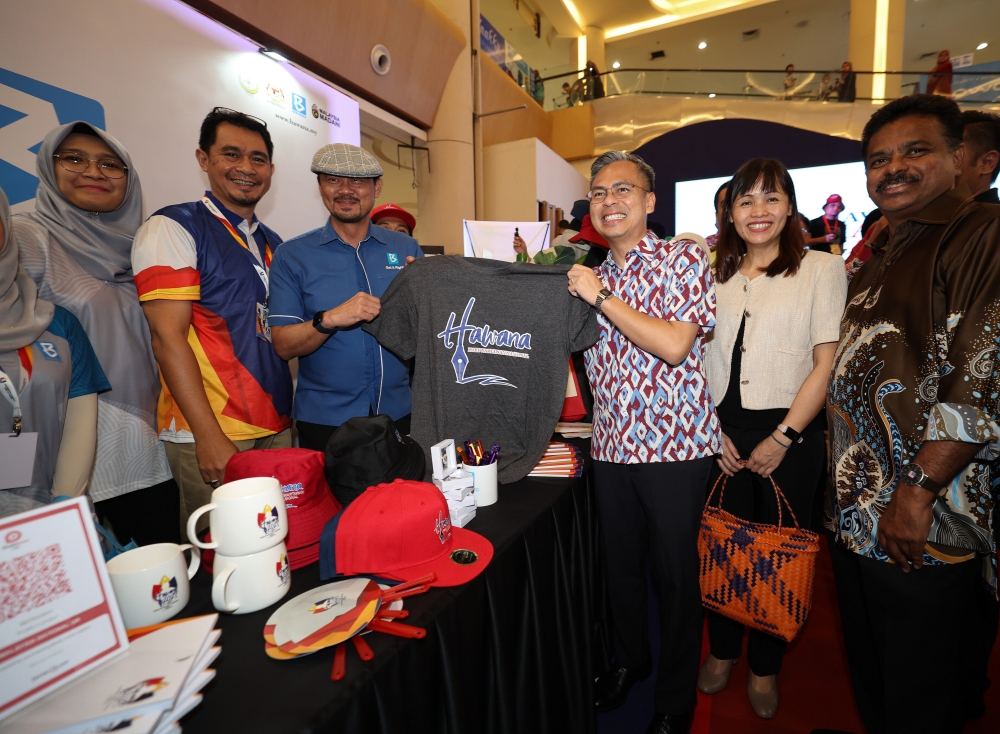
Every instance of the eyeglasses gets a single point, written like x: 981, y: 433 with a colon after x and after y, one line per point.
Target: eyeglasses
x: 76, y: 163
x: 237, y: 113
x: 619, y: 191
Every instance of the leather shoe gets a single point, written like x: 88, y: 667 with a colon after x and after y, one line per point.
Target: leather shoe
x: 765, y: 705
x: 612, y: 686
x: 670, y: 724
x: 709, y: 682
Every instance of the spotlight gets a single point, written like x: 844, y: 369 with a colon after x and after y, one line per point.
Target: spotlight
x: 712, y: 95
x: 275, y: 55
x: 616, y: 65
x: 702, y: 45
x: 981, y: 46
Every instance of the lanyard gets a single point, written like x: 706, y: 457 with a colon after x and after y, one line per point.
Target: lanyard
x: 7, y: 388
x: 261, y: 272
x: 826, y: 224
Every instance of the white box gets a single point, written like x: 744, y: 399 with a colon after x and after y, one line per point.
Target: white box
x: 468, y: 501
x: 443, y: 459
x: 462, y: 516
x: 456, y: 480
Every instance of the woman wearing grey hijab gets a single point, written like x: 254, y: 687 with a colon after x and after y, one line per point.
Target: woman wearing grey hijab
x: 49, y: 377
x: 76, y: 246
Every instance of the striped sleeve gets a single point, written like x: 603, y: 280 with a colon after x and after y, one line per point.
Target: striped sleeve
x: 165, y: 262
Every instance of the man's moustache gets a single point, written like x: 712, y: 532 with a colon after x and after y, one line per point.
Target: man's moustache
x: 895, y: 179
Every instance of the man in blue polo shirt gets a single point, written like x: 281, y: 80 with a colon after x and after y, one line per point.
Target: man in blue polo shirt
x: 324, y: 284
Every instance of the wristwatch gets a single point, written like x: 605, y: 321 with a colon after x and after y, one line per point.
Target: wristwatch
x: 318, y: 324
x: 914, y: 475
x: 602, y: 295
x: 790, y: 433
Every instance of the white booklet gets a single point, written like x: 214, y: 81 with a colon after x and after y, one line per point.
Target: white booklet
x: 59, y: 617
x: 159, y: 670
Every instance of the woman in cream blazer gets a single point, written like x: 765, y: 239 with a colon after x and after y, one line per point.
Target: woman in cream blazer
x: 768, y: 363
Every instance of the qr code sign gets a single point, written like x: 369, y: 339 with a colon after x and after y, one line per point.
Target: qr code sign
x: 32, y: 581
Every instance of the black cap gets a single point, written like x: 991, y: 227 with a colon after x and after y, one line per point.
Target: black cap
x: 367, y: 451
x: 580, y: 208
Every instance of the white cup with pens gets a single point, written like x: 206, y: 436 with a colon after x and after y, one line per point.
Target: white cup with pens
x: 483, y: 468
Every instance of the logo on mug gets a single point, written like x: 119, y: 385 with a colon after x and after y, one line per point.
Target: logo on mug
x: 165, y: 592
x: 323, y: 604
x: 283, y: 571
x: 268, y: 520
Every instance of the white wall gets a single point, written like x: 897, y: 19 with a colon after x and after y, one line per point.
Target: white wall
x: 519, y: 174
x: 169, y: 67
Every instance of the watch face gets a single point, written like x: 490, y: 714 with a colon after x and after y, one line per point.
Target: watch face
x: 914, y: 474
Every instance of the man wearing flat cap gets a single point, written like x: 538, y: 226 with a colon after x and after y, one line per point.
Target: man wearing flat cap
x: 324, y: 285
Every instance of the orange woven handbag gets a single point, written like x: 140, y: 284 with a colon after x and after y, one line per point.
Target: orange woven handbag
x: 757, y: 574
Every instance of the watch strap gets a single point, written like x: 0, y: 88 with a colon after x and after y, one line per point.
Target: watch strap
x: 790, y: 433
x: 318, y: 324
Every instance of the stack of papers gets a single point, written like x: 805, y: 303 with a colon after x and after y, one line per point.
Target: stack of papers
x: 560, y: 460
x: 144, y: 691
x: 575, y: 430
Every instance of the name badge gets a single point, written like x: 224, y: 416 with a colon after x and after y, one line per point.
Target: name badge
x: 263, y: 328
x: 17, y: 457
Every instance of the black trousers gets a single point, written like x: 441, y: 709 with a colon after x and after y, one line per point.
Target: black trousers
x: 751, y: 497
x: 913, y: 641
x: 655, y: 509
x: 150, y: 515
x: 316, y: 435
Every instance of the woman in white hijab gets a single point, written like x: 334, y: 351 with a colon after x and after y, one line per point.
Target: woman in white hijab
x: 76, y: 246
x: 49, y: 378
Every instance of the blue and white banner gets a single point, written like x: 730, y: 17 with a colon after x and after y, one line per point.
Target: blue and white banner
x: 492, y: 43
x: 148, y: 71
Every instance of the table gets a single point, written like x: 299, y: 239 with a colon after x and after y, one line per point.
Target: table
x: 513, y: 651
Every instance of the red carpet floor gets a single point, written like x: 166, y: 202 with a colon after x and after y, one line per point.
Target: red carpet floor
x: 814, y: 681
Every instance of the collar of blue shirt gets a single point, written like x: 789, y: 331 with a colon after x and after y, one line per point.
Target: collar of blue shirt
x: 234, y: 219
x: 379, y: 234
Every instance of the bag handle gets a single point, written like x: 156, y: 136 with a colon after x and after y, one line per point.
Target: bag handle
x: 779, y: 496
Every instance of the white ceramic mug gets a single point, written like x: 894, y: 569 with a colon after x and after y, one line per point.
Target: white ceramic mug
x: 244, y: 584
x: 486, y: 483
x: 248, y: 516
x: 151, y: 582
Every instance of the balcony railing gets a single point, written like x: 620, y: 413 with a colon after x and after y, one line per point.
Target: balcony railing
x: 974, y: 88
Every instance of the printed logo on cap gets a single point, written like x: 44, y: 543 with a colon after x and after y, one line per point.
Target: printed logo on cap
x: 291, y: 492
x: 324, y: 604
x: 165, y: 592
x: 443, y: 527
x: 268, y: 520
x: 282, y: 569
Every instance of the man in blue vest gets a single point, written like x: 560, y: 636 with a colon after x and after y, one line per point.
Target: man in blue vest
x: 324, y: 284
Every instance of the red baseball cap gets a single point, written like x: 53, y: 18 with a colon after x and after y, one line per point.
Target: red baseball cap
x: 391, y: 210
x: 402, y: 530
x: 308, y: 498
x: 834, y: 199
x: 589, y: 234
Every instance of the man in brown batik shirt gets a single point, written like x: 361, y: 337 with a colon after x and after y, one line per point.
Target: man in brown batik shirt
x: 913, y: 412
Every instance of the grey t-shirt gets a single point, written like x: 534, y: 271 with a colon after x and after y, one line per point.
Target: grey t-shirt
x: 492, y: 341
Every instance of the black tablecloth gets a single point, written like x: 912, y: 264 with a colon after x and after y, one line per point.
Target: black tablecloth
x: 513, y: 651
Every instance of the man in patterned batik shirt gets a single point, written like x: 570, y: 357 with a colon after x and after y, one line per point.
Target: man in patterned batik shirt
x: 913, y: 413
x: 655, y: 433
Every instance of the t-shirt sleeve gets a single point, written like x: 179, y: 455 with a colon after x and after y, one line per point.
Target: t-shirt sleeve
x: 829, y: 296
x: 816, y: 228
x: 165, y: 261
x: 689, y: 287
x: 582, y: 324
x: 87, y: 376
x: 395, y: 327
x: 285, y: 301
x: 967, y: 407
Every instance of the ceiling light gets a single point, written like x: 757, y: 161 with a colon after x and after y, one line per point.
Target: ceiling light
x: 277, y: 56
x: 574, y: 12
x: 702, y: 45
x: 712, y: 95
x: 981, y: 46
x: 644, y: 25
x: 616, y: 65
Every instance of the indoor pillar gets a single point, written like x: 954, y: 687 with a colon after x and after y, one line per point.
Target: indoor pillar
x: 595, y: 47
x: 876, y: 44
x: 447, y: 192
